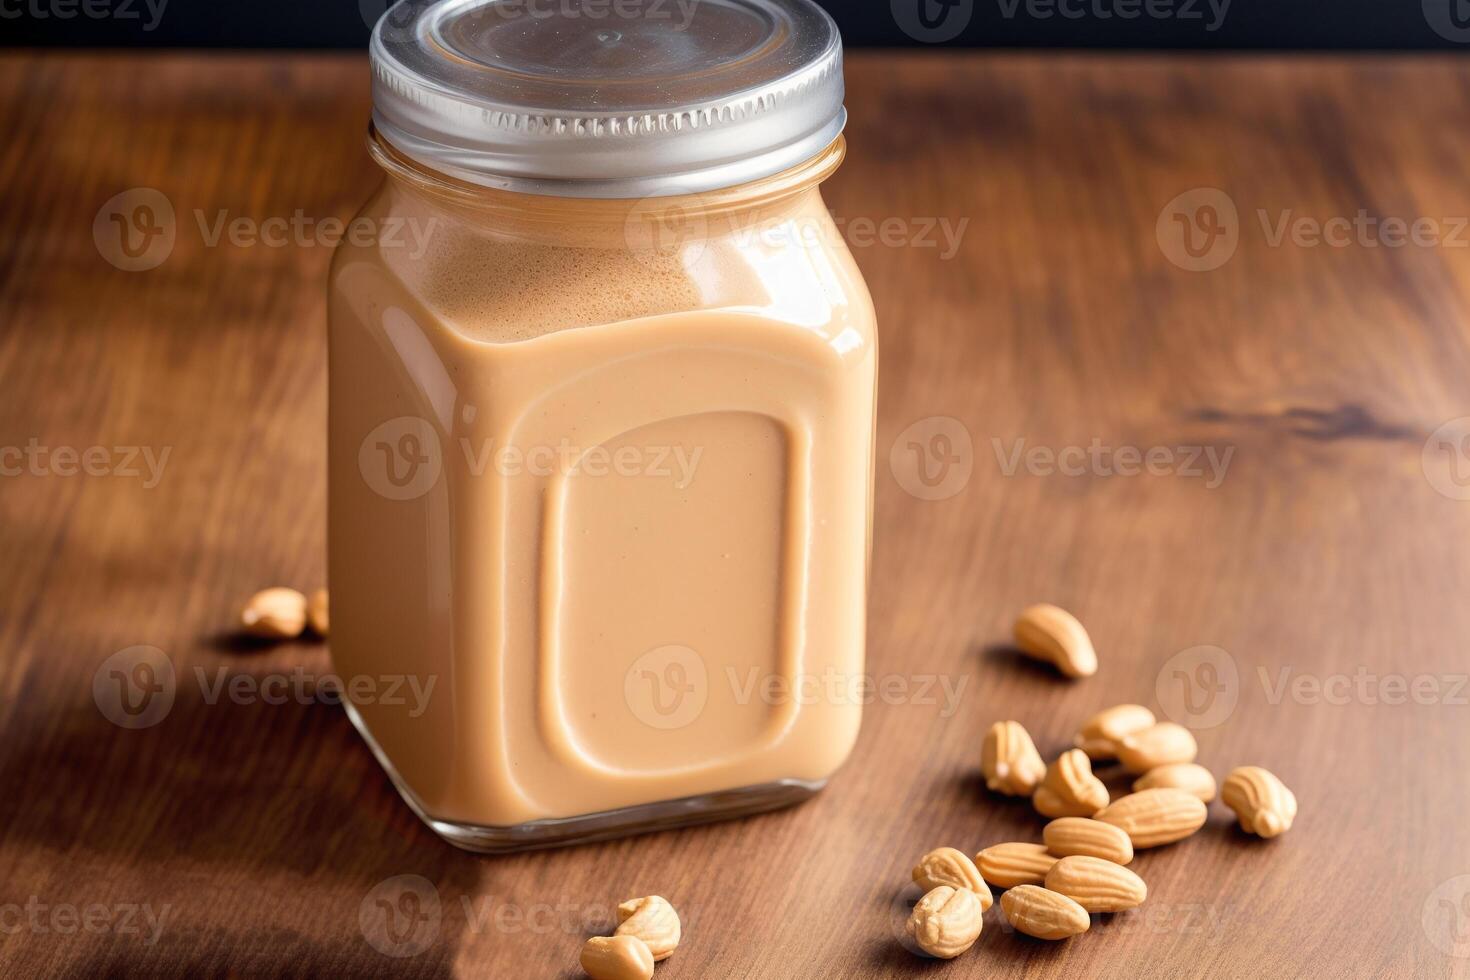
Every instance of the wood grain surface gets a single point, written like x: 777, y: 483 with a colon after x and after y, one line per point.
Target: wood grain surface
x: 1328, y: 563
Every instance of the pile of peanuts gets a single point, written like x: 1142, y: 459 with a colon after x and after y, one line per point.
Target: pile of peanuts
x: 647, y: 933
x: 1052, y: 888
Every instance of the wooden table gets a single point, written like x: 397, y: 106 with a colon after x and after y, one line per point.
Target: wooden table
x: 1332, y: 549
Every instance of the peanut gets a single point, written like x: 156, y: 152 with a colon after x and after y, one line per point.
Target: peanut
x: 652, y: 920
x: 1044, y: 914
x: 947, y: 866
x: 1160, y: 745
x: 1070, y: 789
x: 1187, y: 776
x: 946, y: 922
x: 1082, y: 836
x: 617, y: 958
x: 1096, y: 884
x: 1013, y: 864
x: 1009, y: 760
x: 317, y: 614
x: 1050, y: 633
x: 1156, y: 816
x: 1099, y: 736
x: 1262, y: 802
x: 275, y: 614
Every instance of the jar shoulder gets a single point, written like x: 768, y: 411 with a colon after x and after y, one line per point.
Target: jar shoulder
x: 497, y: 284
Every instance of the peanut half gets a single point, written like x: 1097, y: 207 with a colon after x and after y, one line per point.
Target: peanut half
x: 1012, y: 864
x: 617, y: 958
x: 1156, y: 816
x: 1187, y: 776
x: 1100, y: 735
x: 946, y: 922
x: 1009, y: 760
x: 652, y: 920
x: 1096, y: 885
x: 947, y: 866
x: 275, y: 614
x: 1083, y: 836
x: 1070, y: 789
x: 1050, y: 633
x: 1159, y: 745
x: 1043, y: 913
x: 1262, y: 802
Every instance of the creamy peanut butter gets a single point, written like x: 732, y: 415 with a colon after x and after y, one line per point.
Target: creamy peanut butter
x: 601, y: 473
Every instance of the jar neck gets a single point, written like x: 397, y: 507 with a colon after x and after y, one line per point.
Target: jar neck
x: 511, y: 212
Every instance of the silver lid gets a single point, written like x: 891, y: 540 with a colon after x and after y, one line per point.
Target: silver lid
x: 608, y: 98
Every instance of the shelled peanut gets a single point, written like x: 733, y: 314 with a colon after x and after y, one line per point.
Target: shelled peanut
x: 1070, y: 789
x: 1016, y: 863
x: 1099, y: 735
x: 1154, y: 817
x: 946, y: 921
x: 948, y: 866
x: 1009, y: 760
x: 1052, y: 634
x: 1071, y: 836
x: 281, y: 613
x: 1096, y: 884
x: 1043, y: 913
x: 1261, y: 801
x: 1158, y: 745
x: 1188, y: 776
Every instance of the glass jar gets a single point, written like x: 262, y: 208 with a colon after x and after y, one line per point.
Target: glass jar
x: 601, y: 419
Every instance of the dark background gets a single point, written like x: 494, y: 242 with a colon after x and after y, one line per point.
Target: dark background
x: 1192, y: 24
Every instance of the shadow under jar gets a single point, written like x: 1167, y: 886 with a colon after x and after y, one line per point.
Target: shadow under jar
x: 601, y: 419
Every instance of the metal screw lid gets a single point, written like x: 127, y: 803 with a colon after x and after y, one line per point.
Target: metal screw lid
x: 608, y: 98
